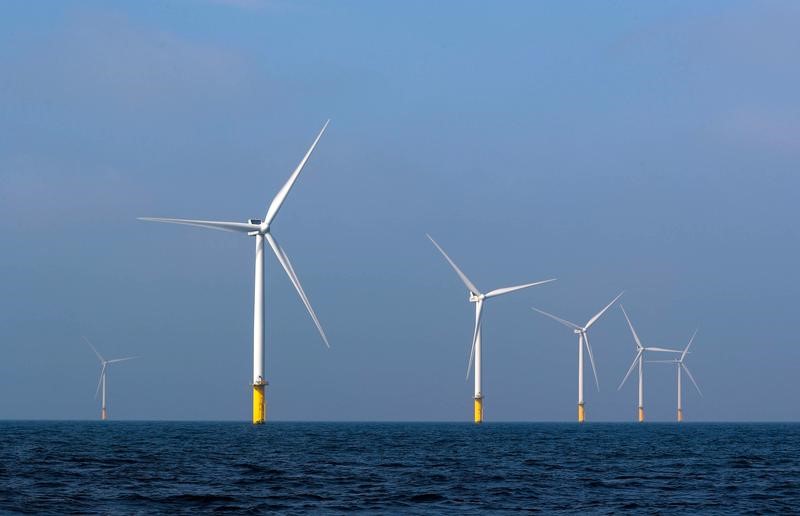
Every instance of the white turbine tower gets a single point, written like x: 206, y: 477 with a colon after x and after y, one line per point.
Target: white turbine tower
x: 681, y: 366
x: 583, y: 338
x: 103, y: 373
x: 638, y: 359
x: 475, y: 296
x: 261, y: 230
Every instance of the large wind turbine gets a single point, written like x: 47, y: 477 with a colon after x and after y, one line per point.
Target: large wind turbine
x: 103, y: 372
x: 261, y: 230
x: 638, y: 360
x: 477, y: 297
x: 680, y: 365
x: 583, y: 337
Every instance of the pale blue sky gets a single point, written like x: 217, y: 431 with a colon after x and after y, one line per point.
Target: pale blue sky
x: 651, y: 147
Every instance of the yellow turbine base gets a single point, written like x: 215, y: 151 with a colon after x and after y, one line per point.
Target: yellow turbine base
x: 680, y: 415
x: 641, y: 414
x: 103, y: 415
x: 479, y: 410
x: 581, y: 413
x: 259, y: 405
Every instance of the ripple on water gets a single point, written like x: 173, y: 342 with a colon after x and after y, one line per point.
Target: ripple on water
x: 400, y: 468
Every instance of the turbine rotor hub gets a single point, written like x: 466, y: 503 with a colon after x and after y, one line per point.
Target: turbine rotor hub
x: 262, y: 229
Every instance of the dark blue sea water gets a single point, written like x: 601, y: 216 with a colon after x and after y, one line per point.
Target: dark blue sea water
x: 139, y: 467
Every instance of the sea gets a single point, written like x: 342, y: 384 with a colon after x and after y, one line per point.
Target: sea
x: 119, y: 467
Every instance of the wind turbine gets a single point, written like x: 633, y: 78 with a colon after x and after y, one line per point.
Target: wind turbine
x: 681, y: 365
x: 583, y: 337
x: 477, y: 297
x: 640, y: 350
x: 261, y: 230
x: 103, y: 372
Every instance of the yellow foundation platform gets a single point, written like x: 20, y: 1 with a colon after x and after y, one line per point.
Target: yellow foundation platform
x: 103, y: 415
x: 641, y: 414
x: 479, y: 410
x: 680, y: 415
x: 259, y: 405
x: 581, y: 413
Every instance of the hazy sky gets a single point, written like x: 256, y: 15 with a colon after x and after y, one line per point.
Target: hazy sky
x: 646, y: 146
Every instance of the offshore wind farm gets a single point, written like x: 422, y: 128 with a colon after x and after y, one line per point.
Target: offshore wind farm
x: 645, y: 146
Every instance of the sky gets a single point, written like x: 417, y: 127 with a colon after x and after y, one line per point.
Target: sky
x: 645, y: 146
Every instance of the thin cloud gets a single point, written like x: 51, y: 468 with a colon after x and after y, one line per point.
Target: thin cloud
x: 109, y: 59
x: 771, y: 130
x: 242, y: 4
x: 254, y: 5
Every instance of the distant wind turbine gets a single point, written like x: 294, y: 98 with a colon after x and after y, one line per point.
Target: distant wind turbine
x: 261, y: 230
x: 679, y: 363
x: 475, y: 296
x: 583, y: 338
x: 103, y: 373
x: 640, y: 350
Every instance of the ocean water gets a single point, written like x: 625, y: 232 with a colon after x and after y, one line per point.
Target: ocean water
x: 414, y: 468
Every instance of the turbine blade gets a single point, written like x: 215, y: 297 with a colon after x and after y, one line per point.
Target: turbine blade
x: 660, y: 361
x: 120, y: 360
x: 287, y: 266
x: 472, y: 288
x: 236, y: 227
x: 506, y: 290
x: 93, y: 349
x: 601, y: 312
x: 100, y: 381
x: 591, y: 359
x: 663, y: 350
x: 691, y: 378
x: 277, y: 202
x: 478, y: 320
x: 633, y: 364
x: 559, y: 319
x: 633, y: 331
x: 688, y: 345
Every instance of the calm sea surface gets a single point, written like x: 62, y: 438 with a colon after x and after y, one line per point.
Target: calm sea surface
x: 415, y: 468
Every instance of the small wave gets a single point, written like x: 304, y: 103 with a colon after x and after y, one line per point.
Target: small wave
x: 197, y: 498
x: 427, y: 498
